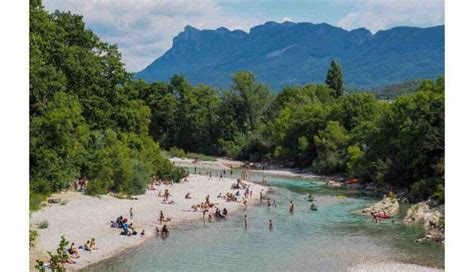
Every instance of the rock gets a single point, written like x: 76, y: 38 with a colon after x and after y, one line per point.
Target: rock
x: 434, y: 235
x: 416, y: 213
x: 334, y: 184
x: 433, y: 220
x: 388, y: 205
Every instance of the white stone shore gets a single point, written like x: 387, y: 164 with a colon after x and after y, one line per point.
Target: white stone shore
x: 85, y: 217
x: 392, y: 267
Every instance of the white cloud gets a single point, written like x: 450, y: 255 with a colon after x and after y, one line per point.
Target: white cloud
x: 382, y: 14
x: 144, y: 29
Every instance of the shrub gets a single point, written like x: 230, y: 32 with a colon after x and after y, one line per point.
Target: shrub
x: 328, y: 162
x: 439, y: 193
x: 98, y: 186
x: 200, y: 157
x: 33, y: 237
x: 176, y: 174
x: 35, y: 201
x: 177, y: 152
x: 43, y: 224
x: 139, y: 178
x: 56, y: 260
x: 423, y: 189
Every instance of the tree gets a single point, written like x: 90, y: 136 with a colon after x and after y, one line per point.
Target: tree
x: 254, y: 97
x: 56, y: 260
x: 87, y: 119
x: 330, y: 146
x: 334, y: 79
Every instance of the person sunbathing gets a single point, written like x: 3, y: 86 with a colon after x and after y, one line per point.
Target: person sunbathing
x: 119, y: 221
x: 73, y: 251
x: 87, y: 246
x: 69, y: 261
x: 93, y: 245
x: 132, y: 228
x: 187, y: 196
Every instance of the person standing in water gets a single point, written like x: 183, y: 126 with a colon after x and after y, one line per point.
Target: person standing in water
x: 204, y: 214
x: 164, y: 230
x: 274, y: 203
x: 231, y: 170
x: 270, y: 224
x: 246, y: 221
x: 291, y: 207
x: 162, y: 217
x: 268, y: 203
x: 261, y: 196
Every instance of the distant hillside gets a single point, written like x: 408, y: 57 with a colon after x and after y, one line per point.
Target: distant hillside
x: 393, y: 90
x: 298, y: 53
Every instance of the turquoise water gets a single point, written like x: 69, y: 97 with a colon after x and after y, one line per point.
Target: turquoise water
x: 331, y: 239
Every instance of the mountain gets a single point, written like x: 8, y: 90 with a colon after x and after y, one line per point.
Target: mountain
x: 298, y: 53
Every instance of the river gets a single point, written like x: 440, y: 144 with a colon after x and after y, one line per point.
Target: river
x: 330, y: 239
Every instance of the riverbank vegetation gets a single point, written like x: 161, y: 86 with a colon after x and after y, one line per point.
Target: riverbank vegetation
x: 398, y: 143
x: 88, y: 118
x: 84, y: 119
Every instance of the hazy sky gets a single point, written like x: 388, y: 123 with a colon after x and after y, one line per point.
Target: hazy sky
x: 144, y: 29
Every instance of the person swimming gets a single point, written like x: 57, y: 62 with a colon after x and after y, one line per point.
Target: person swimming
x: 313, y: 207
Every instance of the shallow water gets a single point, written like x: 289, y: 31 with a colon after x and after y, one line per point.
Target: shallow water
x: 330, y: 239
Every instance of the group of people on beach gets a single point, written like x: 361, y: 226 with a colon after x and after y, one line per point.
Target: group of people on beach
x: 73, y: 251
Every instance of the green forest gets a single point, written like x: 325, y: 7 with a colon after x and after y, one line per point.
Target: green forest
x: 89, y: 118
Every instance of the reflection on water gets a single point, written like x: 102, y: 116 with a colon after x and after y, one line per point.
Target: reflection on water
x: 331, y: 239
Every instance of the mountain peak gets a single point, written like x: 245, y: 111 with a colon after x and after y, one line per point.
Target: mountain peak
x: 189, y: 28
x: 299, y: 53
